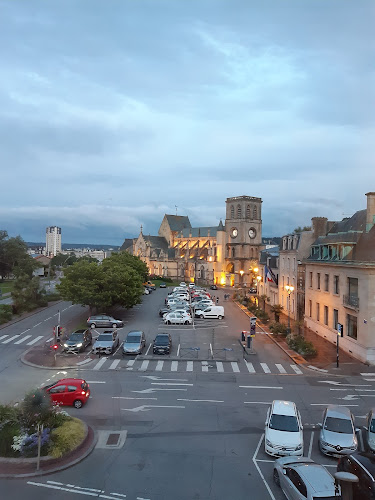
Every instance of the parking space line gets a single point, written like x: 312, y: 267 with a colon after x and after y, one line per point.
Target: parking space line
x: 219, y: 366
x: 258, y: 468
x: 100, y: 363
x: 280, y: 368
x: 189, y: 366
x: 250, y: 367
x: 114, y: 364
x: 10, y: 339
x: 296, y: 369
x: 149, y: 346
x: 130, y: 362
x: 35, y: 340
x: 3, y: 337
x: 235, y: 367
x: 23, y: 339
x: 174, y: 366
x: 144, y: 365
x: 204, y: 366
x: 310, y: 445
x: 265, y: 368
x: 159, y: 366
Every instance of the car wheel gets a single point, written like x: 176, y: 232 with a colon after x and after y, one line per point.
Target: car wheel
x: 186, y: 322
x: 220, y: 317
x: 276, y: 478
x: 93, y: 325
x: 114, y: 325
x: 78, y: 403
x: 201, y: 316
x: 168, y: 322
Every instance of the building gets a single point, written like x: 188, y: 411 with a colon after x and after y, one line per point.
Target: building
x: 53, y: 240
x: 269, y: 274
x: 225, y: 254
x: 340, y: 282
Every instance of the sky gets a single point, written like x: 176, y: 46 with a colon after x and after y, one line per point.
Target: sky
x: 115, y: 112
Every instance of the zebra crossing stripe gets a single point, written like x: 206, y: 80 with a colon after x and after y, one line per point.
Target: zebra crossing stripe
x: 189, y: 366
x: 144, y: 365
x: 204, y: 366
x: 250, y: 367
x: 23, y: 339
x: 100, y: 363
x: 3, y: 337
x: 265, y: 368
x: 235, y: 367
x: 159, y: 366
x: 219, y: 366
x: 280, y: 368
x: 10, y: 339
x: 35, y: 340
x: 114, y: 364
x: 130, y: 362
x: 296, y: 369
x: 174, y: 366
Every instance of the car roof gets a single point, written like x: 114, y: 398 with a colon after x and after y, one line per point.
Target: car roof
x: 69, y: 381
x: 284, y: 407
x: 79, y: 331
x: 336, y: 411
x: 162, y: 335
x: 135, y: 332
x: 316, y: 475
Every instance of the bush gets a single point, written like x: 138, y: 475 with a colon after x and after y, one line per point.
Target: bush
x: 278, y: 328
x: 29, y: 446
x: 300, y: 345
x: 5, y: 313
x: 6, y: 439
x: 67, y: 437
x: 52, y: 297
x: 262, y: 315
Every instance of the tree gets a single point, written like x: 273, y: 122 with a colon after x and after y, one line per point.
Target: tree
x: 276, y: 309
x: 26, y: 293
x: 300, y: 229
x: 14, y: 258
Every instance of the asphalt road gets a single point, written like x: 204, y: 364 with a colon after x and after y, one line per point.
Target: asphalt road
x: 187, y: 428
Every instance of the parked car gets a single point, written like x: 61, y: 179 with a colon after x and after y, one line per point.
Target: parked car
x: 162, y: 285
x: 78, y: 341
x: 69, y: 392
x: 183, y: 283
x: 191, y: 285
x: 149, y: 284
x: 162, y: 344
x: 210, y: 312
x: 361, y: 465
x: 252, y: 290
x: 338, y: 433
x: 178, y: 318
x: 213, y: 287
x: 181, y: 310
x: 283, y: 434
x: 104, y: 321
x: 301, y: 478
x: 164, y: 310
x: 134, y: 343
x: 146, y: 291
x: 370, y: 430
x: 106, y: 343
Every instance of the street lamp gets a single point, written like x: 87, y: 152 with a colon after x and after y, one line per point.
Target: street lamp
x: 259, y: 279
x: 289, y: 289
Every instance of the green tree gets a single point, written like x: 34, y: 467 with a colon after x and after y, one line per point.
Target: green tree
x: 276, y: 309
x: 14, y: 258
x: 36, y: 408
x: 26, y: 293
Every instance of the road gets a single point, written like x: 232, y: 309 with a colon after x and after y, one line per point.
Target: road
x: 188, y: 427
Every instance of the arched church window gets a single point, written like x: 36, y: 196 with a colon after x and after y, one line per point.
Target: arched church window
x: 239, y: 211
x: 255, y: 212
x: 232, y: 212
x: 248, y: 212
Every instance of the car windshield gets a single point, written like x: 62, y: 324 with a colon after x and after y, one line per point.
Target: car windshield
x: 340, y: 425
x: 162, y: 340
x: 106, y: 337
x: 132, y: 339
x: 76, y: 336
x: 286, y: 423
x: 372, y: 425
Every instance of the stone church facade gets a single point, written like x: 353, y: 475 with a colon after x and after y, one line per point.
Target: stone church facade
x: 225, y: 254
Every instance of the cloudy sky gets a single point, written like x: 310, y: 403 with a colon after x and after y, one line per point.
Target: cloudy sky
x: 114, y: 112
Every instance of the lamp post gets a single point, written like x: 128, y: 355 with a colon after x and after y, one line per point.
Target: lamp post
x: 241, y: 273
x: 259, y: 279
x: 289, y: 289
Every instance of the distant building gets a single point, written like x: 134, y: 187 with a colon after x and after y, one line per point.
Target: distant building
x: 53, y: 240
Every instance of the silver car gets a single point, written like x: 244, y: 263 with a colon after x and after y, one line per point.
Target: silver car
x: 106, y: 343
x: 104, y: 321
x: 370, y: 429
x: 338, y: 433
x: 134, y: 343
x: 301, y: 478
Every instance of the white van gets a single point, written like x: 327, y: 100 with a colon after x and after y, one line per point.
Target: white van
x: 212, y: 312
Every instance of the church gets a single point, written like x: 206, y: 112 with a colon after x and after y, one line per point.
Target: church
x: 226, y: 254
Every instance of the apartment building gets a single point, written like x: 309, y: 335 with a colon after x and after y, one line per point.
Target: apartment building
x: 53, y: 241
x: 340, y: 283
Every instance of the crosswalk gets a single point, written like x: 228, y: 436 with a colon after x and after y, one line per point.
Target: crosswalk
x: 6, y: 339
x: 196, y: 366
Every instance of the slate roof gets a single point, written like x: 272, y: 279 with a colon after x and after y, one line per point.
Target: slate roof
x: 156, y: 242
x: 128, y: 242
x: 364, y: 251
x: 177, y: 222
x: 198, y: 231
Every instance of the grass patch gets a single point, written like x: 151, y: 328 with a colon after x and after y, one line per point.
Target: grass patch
x: 66, y: 437
x: 6, y: 286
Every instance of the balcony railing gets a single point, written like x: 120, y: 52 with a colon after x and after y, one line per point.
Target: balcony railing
x: 351, y: 301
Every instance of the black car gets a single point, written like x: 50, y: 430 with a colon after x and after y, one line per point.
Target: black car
x: 213, y: 287
x: 78, y: 341
x: 362, y: 465
x: 164, y: 310
x: 162, y: 285
x: 162, y: 344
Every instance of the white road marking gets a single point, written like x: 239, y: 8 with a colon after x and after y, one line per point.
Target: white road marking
x: 144, y: 365
x: 265, y: 368
x: 148, y: 348
x: 129, y: 397
x: 118, y: 494
x: 204, y: 366
x: 96, y: 381
x: 258, y: 468
x: 130, y: 362
x: 114, y: 364
x: 23, y: 339
x: 317, y: 369
x: 250, y: 367
x: 257, y: 403
x: 178, y: 350
x: 174, y: 366
x: 148, y: 407
x: 189, y: 366
x: 369, y: 379
x: 173, y: 383
x: 333, y: 382
x: 100, y: 363
x: 159, y: 366
x: 280, y: 368
x: 55, y: 487
x: 219, y: 366
x: 202, y: 400
x: 25, y: 331
x: 310, y: 445
x: 84, y: 361
x: 154, y: 389
x: 10, y: 339
x: 3, y: 337
x: 368, y: 374
x: 296, y: 369
x: 327, y: 404
x: 258, y: 387
x: 235, y: 367
x: 153, y: 377
x: 35, y: 340
x: 37, y: 324
x: 48, y: 318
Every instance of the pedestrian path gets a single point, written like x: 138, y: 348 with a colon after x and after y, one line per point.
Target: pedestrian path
x: 15, y: 339
x: 159, y: 365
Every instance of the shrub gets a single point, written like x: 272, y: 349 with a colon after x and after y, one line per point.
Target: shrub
x: 29, y: 446
x: 5, y: 313
x: 6, y: 439
x: 262, y: 315
x: 278, y: 328
x: 300, y: 345
x: 52, y: 297
x: 67, y: 437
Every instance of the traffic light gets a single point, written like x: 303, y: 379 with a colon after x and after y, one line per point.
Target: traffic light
x: 55, y: 347
x: 57, y: 332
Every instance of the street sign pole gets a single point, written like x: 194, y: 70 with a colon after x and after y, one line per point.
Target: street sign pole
x: 339, y: 334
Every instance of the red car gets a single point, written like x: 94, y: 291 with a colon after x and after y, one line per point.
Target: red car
x: 69, y: 392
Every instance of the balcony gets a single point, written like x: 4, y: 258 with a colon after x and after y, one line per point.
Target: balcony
x: 351, y: 302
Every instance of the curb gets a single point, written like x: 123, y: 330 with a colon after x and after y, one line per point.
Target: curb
x: 36, y: 311
x: 91, y: 436
x: 34, y: 365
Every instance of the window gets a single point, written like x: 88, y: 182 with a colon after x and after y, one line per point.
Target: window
x: 326, y: 282
x: 326, y: 315
x: 351, y: 326
x: 310, y: 308
x: 318, y: 281
x: 248, y: 212
x: 311, y: 279
x: 353, y: 287
x: 72, y: 388
x: 336, y: 288
x: 297, y: 482
x: 58, y: 389
x: 335, y: 318
x: 317, y: 311
x: 255, y: 212
x: 232, y: 212
x: 238, y: 211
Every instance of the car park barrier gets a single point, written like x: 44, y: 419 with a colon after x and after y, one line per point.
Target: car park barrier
x: 219, y: 353
x: 185, y: 352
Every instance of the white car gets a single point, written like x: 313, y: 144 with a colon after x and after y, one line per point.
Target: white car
x: 177, y: 318
x: 180, y: 311
x: 283, y: 435
x: 183, y: 284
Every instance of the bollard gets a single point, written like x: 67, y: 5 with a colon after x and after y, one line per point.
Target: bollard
x: 249, y: 342
x: 243, y: 336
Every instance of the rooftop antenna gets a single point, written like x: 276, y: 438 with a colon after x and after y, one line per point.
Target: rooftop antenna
x: 176, y: 209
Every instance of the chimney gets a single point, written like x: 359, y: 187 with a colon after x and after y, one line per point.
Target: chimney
x: 370, y: 214
x: 319, y: 226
